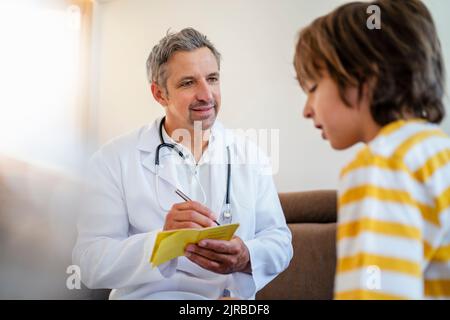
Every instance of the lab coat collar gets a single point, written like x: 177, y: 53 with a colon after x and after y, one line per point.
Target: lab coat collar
x: 148, y: 142
x: 149, y: 137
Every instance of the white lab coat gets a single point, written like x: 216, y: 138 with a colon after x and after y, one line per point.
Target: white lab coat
x: 117, y: 230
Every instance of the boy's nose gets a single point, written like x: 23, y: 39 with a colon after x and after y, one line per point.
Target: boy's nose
x: 307, y: 111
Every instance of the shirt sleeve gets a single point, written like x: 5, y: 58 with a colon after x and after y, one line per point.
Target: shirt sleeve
x: 108, y: 257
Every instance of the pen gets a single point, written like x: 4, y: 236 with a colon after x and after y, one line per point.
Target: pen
x: 186, y: 198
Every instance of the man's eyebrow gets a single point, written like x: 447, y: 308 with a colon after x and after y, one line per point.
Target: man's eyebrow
x: 214, y: 74
x: 185, y: 78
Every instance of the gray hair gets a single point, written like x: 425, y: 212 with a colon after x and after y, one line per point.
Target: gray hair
x: 187, y: 39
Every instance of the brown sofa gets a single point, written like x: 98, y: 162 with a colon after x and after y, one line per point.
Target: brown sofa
x: 311, y: 216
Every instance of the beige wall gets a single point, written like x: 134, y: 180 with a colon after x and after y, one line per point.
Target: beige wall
x: 256, y: 39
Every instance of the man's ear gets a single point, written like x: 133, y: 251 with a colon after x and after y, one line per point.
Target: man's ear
x: 159, y: 94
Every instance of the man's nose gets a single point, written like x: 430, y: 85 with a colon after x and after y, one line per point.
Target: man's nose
x: 204, y: 92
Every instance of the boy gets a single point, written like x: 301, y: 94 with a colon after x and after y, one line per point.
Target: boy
x: 383, y: 87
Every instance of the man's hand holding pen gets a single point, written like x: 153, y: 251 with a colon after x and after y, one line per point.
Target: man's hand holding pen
x: 214, y: 255
x: 190, y: 214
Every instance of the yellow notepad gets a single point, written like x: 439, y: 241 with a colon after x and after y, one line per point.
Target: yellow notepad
x: 171, y: 244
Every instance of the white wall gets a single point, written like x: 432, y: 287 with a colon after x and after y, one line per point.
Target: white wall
x: 256, y: 39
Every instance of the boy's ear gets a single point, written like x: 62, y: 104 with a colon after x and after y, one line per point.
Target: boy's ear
x: 365, y: 93
x: 368, y: 89
x: 159, y: 94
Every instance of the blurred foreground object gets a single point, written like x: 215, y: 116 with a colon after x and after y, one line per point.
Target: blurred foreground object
x: 38, y: 210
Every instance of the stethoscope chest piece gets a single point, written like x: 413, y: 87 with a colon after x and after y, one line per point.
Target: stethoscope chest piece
x: 226, y: 214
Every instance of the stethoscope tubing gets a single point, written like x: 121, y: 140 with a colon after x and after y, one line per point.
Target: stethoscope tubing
x: 163, y: 144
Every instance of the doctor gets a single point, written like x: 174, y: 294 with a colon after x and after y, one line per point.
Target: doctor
x: 133, y: 181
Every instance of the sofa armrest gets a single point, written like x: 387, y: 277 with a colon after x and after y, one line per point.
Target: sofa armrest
x: 311, y: 217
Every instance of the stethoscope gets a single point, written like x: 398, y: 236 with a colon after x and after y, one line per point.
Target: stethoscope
x: 226, y: 214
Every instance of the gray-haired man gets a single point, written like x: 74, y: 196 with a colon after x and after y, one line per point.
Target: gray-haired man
x: 136, y: 178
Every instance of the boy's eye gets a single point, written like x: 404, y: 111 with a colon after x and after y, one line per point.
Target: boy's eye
x: 313, y: 88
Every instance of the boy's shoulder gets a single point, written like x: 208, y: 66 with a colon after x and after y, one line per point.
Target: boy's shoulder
x: 402, y: 145
x: 407, y: 141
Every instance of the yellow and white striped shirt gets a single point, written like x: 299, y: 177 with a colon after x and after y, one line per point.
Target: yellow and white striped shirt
x: 393, y: 237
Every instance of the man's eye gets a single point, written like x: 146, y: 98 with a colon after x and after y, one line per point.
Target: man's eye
x: 213, y: 79
x: 186, y: 84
